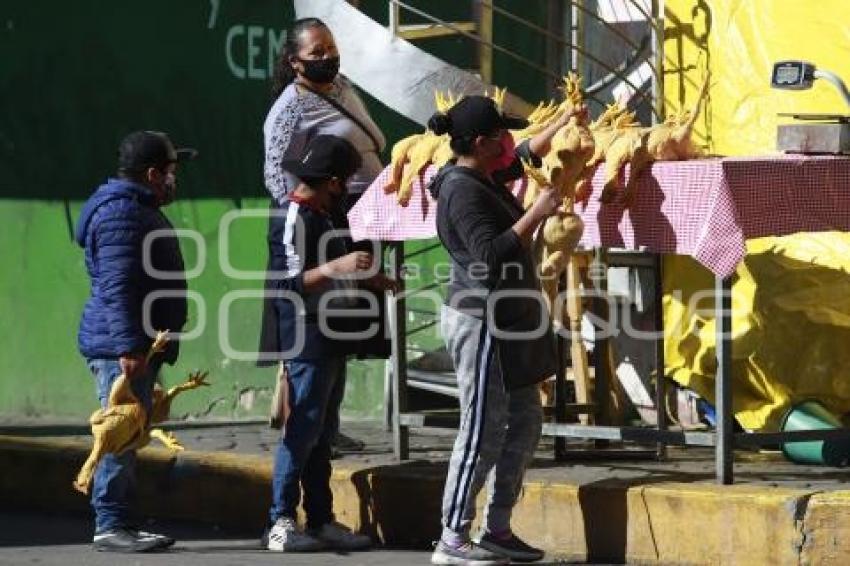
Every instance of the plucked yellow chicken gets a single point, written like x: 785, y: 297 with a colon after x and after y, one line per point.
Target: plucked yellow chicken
x: 124, y: 424
x: 498, y: 96
x: 572, y: 148
x: 398, y: 159
x: 629, y: 147
x: 611, y: 124
x: 565, y: 168
x: 411, y: 155
x: 418, y: 157
x: 640, y: 147
x: 671, y: 141
x: 539, y: 120
x: 560, y: 236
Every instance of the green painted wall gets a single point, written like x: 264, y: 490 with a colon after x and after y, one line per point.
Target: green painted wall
x: 76, y: 76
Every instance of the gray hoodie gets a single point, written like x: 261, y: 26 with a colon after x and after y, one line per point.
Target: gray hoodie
x: 493, y: 276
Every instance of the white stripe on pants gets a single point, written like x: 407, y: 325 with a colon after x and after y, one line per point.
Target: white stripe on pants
x: 498, y: 431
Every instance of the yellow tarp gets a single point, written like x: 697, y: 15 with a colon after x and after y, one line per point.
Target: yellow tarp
x: 791, y: 326
x: 791, y: 322
x: 740, y: 40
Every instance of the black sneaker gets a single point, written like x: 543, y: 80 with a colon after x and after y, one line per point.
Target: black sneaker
x: 124, y: 540
x: 468, y: 554
x: 513, y: 547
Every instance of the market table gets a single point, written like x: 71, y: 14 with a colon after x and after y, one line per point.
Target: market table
x: 706, y: 209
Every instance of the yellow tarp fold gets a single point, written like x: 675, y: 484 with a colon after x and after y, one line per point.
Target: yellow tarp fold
x: 791, y: 326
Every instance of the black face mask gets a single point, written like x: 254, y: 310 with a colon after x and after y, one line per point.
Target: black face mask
x: 338, y: 199
x: 169, y: 190
x: 320, y: 71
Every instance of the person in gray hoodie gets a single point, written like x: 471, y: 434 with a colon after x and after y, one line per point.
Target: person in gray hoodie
x: 495, y: 324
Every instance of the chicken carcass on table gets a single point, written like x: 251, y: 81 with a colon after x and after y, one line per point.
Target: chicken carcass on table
x: 640, y: 147
x: 410, y: 156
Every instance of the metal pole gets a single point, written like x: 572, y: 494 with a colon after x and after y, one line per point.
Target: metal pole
x: 603, y: 382
x: 389, y: 388
x: 660, y: 380
x: 554, y: 50
x: 561, y: 384
x: 576, y: 36
x: 723, y: 382
x: 657, y: 25
x: 484, y: 17
x: 398, y: 327
x: 394, y: 17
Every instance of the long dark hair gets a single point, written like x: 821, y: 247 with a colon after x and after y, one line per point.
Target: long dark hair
x: 284, y: 74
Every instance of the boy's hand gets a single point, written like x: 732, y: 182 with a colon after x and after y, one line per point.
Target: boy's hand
x: 132, y: 365
x: 352, y: 263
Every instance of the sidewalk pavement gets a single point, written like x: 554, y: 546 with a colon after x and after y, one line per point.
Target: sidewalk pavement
x: 614, y: 509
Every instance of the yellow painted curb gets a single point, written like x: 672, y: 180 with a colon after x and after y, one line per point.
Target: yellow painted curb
x: 708, y: 524
x: 399, y: 504
x: 826, y: 529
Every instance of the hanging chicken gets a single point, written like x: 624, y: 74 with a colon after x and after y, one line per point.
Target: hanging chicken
x: 572, y: 147
x: 125, y: 424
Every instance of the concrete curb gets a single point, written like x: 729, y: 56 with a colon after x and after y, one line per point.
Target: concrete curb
x: 613, y: 521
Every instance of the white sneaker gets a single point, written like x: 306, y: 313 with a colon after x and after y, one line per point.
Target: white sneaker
x: 467, y: 554
x: 162, y: 541
x: 285, y: 536
x: 340, y: 537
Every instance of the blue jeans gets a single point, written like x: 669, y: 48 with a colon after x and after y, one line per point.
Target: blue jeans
x: 114, y: 483
x: 303, y: 458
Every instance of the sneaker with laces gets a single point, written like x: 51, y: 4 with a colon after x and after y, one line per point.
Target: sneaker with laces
x: 340, y: 537
x: 123, y: 540
x: 511, y: 546
x: 467, y: 554
x: 285, y: 536
x: 162, y: 541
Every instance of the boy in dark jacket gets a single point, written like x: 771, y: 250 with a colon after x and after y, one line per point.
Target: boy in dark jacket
x: 115, y: 333
x: 315, y: 274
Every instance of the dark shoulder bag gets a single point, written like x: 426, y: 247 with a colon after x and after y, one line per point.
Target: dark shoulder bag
x: 345, y: 112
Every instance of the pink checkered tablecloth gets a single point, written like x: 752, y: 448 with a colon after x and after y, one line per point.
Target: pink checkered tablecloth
x: 702, y: 208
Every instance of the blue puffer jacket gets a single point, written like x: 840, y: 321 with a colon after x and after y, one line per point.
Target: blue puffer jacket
x: 112, y: 228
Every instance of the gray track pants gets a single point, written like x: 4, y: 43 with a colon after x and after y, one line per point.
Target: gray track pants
x: 498, y: 432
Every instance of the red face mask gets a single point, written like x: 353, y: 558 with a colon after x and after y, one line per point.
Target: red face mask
x: 507, y: 156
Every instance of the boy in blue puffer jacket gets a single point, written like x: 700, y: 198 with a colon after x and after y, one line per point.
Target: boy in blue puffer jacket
x: 113, y: 227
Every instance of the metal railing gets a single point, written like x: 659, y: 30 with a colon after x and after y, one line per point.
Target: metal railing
x: 621, y: 72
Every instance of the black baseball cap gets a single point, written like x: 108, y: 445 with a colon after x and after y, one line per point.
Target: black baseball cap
x: 474, y: 116
x: 146, y: 148
x: 326, y: 156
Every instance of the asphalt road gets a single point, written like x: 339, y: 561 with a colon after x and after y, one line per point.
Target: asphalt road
x: 28, y: 538
x: 34, y: 538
